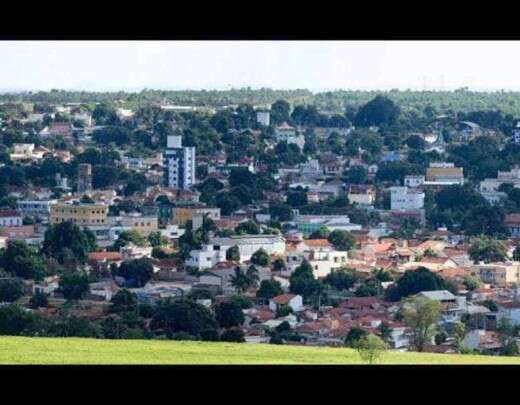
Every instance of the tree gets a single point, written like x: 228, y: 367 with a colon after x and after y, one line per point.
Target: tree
x: 485, y: 220
x: 74, y: 286
x: 156, y: 239
x: 487, y: 250
x: 342, y: 240
x: 229, y: 314
x: 233, y: 254
x: 321, y: 233
x: 269, y: 289
x: 356, y: 175
x: 280, y: 112
x: 261, y: 258
x: 241, y: 301
x: 342, y: 279
x: 247, y: 228
x: 302, y: 281
x: 471, y: 282
x: 379, y: 111
x: 415, y: 142
x: 252, y: 276
x: 10, y: 289
x: 421, y: 315
x: 227, y: 203
x: 38, y: 300
x: 279, y: 264
x: 182, y: 316
x: 113, y: 328
x: 239, y: 280
x: 15, y: 321
x: 140, y: 271
x: 126, y: 237
x: 22, y: 261
x: 233, y: 335
x: 385, y: 332
x: 74, y: 326
x: 415, y: 281
x: 354, y: 335
x: 283, y: 311
x: 490, y: 304
x: 85, y: 199
x: 459, y: 332
x: 64, y: 238
x: 123, y: 301
x: 370, y: 348
x: 280, y: 211
x: 297, y: 198
x: 507, y: 336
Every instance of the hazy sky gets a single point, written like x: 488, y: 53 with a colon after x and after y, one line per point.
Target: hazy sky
x: 316, y: 65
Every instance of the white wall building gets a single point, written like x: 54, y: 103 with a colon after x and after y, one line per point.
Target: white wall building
x: 206, y: 258
x: 10, y: 218
x: 249, y: 244
x: 403, y: 198
x: 263, y: 118
x: 179, y: 164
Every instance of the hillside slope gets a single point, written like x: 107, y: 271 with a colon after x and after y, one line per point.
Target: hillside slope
x: 22, y: 350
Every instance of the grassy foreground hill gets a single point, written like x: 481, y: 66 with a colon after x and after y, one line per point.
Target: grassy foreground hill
x: 22, y: 350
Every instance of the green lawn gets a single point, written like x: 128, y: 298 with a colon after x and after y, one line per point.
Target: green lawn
x: 21, y: 350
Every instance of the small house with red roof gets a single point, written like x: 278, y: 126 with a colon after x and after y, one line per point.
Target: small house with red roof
x: 292, y: 300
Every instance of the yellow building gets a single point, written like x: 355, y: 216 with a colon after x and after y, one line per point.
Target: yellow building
x: 182, y: 214
x: 497, y: 273
x: 80, y: 214
x: 144, y: 224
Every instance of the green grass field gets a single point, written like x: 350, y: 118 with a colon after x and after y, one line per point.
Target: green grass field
x: 21, y: 350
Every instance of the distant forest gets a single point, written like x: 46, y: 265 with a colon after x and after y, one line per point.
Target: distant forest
x: 461, y: 100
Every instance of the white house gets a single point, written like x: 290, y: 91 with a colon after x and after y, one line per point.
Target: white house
x: 172, y: 232
x: 413, y: 181
x: 249, y: 244
x: 509, y: 310
x: 291, y: 300
x: 263, y: 118
x: 10, y: 218
x: 289, y: 134
x: 206, y: 257
x: 403, y: 198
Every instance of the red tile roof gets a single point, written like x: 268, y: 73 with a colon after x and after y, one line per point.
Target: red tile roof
x: 314, y: 243
x: 101, y: 256
x: 283, y: 299
x: 9, y: 213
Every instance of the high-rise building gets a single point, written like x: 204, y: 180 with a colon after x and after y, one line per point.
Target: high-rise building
x: 85, y: 178
x: 179, y: 164
x: 263, y: 118
x: 516, y: 133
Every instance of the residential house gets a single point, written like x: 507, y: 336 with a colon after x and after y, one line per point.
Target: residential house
x: 445, y: 173
x: 292, y: 300
x: 362, y: 195
x: 10, y: 218
x: 512, y: 222
x: 404, y: 198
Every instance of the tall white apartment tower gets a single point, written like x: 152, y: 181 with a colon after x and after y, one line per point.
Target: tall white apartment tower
x: 516, y: 133
x: 179, y: 164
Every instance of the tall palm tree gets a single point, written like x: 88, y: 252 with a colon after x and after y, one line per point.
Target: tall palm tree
x: 252, y: 275
x: 239, y: 280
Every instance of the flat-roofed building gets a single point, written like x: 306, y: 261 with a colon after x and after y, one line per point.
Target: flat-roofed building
x: 80, y: 214
x: 445, y: 173
x: 182, y: 214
